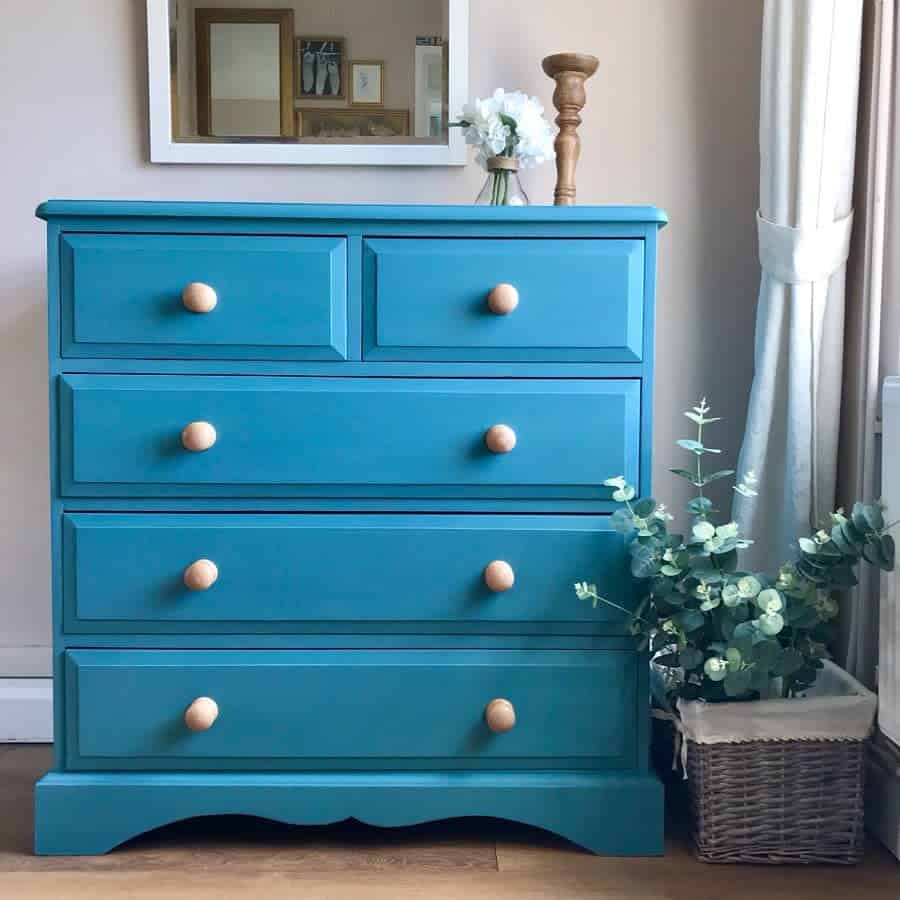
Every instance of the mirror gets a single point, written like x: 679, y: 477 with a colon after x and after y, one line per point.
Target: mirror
x: 341, y: 81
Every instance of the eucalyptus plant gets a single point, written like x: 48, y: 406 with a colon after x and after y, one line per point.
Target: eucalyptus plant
x: 715, y: 631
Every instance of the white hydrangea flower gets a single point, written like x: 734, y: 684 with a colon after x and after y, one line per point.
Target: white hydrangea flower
x: 623, y: 495
x: 617, y: 482
x: 748, y: 587
x: 703, y: 531
x: 531, y: 143
x: 731, y: 596
x: 726, y: 532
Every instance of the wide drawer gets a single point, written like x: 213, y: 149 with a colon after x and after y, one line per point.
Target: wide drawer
x: 131, y: 571
x: 350, y: 709
x: 277, y: 297
x: 121, y: 435
x: 578, y: 299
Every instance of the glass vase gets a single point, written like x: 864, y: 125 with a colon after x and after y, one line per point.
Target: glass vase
x: 502, y: 187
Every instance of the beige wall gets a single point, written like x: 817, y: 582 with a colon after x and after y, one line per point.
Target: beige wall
x: 672, y: 120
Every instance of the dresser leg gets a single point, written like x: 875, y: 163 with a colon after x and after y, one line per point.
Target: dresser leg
x: 87, y: 814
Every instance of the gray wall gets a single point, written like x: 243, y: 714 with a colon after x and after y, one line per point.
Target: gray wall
x: 671, y: 120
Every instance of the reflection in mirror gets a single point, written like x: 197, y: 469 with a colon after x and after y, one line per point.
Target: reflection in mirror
x: 340, y: 71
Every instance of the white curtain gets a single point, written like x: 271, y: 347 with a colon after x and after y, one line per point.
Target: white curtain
x: 808, y: 113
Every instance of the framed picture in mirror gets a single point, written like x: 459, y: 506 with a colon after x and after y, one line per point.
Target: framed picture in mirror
x: 245, y: 73
x: 367, y: 82
x: 320, y: 68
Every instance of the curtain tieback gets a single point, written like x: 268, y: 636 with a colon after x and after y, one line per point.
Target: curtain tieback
x: 796, y: 255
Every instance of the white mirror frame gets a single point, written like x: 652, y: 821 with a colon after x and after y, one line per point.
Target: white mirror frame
x: 164, y: 150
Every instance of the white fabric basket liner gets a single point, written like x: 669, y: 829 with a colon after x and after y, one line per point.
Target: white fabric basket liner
x: 836, y: 708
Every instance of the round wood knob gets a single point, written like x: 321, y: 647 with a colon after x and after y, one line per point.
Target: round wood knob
x: 499, y: 576
x: 201, y: 714
x: 500, y: 439
x: 500, y: 716
x: 503, y: 299
x: 201, y: 575
x: 199, y: 297
x: 198, y: 436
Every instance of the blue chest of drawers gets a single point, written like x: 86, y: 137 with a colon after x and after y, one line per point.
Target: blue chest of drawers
x: 322, y: 479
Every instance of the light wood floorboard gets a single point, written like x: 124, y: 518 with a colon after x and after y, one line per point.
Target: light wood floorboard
x: 469, y: 859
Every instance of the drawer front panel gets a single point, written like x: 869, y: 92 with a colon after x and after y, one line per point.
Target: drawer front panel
x: 346, y: 709
x: 125, y: 571
x: 579, y: 299
x: 122, y: 436
x: 278, y: 297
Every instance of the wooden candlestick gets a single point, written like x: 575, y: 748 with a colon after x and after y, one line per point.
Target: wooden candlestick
x: 570, y: 71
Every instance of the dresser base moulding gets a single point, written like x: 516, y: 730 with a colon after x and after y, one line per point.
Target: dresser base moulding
x: 88, y: 814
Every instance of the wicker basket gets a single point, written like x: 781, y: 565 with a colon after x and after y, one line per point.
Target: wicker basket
x: 778, y: 801
x: 780, y: 781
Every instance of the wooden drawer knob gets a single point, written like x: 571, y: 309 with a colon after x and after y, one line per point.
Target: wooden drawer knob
x: 500, y: 439
x: 201, y: 575
x: 198, y: 297
x: 499, y: 576
x: 201, y: 714
x: 198, y: 436
x: 500, y: 716
x: 503, y: 299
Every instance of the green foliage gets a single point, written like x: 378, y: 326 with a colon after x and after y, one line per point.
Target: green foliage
x: 720, y: 633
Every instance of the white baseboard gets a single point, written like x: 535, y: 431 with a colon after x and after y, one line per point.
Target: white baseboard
x: 26, y: 710
x: 34, y: 661
x: 883, y: 801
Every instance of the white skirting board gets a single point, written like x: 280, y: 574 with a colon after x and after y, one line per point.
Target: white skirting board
x: 26, y: 710
x: 883, y: 797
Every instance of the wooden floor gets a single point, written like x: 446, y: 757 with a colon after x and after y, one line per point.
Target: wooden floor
x: 467, y: 859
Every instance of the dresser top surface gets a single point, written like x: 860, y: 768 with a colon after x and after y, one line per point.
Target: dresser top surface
x: 53, y: 210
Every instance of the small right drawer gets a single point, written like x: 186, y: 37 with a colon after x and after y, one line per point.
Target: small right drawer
x: 495, y: 300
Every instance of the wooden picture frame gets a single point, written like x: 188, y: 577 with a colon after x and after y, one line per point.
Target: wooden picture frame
x: 351, y: 72
x: 284, y: 19
x: 397, y: 118
x: 300, y: 45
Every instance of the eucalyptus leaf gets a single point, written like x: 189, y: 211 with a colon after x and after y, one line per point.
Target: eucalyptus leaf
x: 737, y: 683
x: 871, y: 513
x: 622, y: 521
x: 859, y: 518
x: 700, y: 506
x: 767, y: 654
x: 645, y: 507
x: 690, y: 658
x: 688, y: 476
x: 789, y: 662
x: 717, y: 476
x: 690, y: 619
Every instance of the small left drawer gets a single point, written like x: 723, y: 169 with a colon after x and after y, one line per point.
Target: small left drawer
x: 255, y: 297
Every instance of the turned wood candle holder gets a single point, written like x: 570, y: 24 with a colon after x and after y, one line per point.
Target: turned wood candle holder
x: 570, y: 71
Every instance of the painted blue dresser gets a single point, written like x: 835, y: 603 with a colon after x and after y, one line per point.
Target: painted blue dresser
x: 322, y: 479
